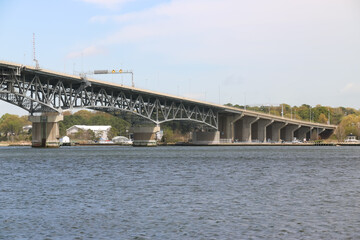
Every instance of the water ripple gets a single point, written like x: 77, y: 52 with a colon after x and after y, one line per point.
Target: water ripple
x: 180, y: 193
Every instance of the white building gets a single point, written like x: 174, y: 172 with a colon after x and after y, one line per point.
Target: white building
x: 27, y: 128
x: 351, y: 138
x: 100, y: 131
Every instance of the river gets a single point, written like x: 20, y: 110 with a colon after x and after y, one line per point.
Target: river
x: 180, y: 193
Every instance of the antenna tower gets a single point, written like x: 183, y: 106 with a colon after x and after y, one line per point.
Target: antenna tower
x: 35, y: 60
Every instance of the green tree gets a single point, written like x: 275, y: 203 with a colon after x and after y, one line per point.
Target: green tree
x: 322, y: 118
x: 304, y: 112
x: 349, y: 125
x: 11, y: 124
x: 113, y: 132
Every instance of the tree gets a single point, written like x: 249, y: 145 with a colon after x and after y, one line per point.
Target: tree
x: 11, y: 124
x: 113, y: 132
x: 349, y: 125
x: 340, y: 133
x: 322, y: 118
x: 304, y: 112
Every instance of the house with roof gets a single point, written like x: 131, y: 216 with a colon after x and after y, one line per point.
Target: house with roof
x: 100, y: 130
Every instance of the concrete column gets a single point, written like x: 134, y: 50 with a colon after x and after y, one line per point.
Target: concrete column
x: 275, y: 130
x: 320, y: 131
x: 145, y: 136
x: 226, y: 126
x: 246, y: 123
x: 302, y: 132
x: 235, y: 127
x: 261, y: 131
x: 206, y: 138
x: 326, y: 133
x: 289, y: 132
x: 315, y: 133
x: 45, y: 130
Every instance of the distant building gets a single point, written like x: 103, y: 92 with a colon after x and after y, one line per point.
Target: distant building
x: 100, y: 131
x: 351, y: 138
x: 27, y: 128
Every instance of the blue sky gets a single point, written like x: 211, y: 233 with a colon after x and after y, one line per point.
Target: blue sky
x: 253, y: 51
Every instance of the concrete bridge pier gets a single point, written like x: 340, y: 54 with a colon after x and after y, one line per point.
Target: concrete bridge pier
x: 315, y: 133
x: 248, y: 125
x: 287, y: 132
x: 302, y: 133
x: 275, y: 130
x: 243, y: 128
x: 325, y: 133
x: 45, y: 130
x: 261, y: 129
x: 145, y: 136
x: 206, y: 138
x: 227, y: 126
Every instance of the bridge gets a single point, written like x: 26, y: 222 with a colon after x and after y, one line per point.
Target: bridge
x: 46, y: 94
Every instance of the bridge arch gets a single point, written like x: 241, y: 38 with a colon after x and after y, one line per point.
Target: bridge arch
x: 43, y: 91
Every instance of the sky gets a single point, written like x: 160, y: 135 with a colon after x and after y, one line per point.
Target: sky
x: 255, y: 52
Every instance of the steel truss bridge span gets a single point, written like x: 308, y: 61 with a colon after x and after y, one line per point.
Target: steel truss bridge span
x: 39, y: 90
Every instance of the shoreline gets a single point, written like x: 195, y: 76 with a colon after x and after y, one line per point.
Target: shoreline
x: 28, y: 144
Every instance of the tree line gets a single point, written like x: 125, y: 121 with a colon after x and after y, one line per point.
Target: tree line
x: 318, y: 114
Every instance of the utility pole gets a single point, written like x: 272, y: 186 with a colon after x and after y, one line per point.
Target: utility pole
x: 244, y: 100
x: 219, y: 94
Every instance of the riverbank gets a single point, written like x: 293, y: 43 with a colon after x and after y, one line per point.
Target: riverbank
x: 27, y: 144
x: 14, y: 144
x: 265, y: 144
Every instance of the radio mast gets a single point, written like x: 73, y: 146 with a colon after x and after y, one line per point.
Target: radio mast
x: 35, y: 60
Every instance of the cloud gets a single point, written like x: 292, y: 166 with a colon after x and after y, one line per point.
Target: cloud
x: 350, y: 88
x: 107, y: 3
x: 230, y: 30
x: 89, y: 51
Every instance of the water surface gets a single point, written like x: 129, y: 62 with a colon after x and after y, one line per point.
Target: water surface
x: 180, y: 193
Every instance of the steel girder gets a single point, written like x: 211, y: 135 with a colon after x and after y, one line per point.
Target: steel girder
x: 37, y: 92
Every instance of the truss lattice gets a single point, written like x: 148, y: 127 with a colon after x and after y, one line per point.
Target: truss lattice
x: 36, y: 91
